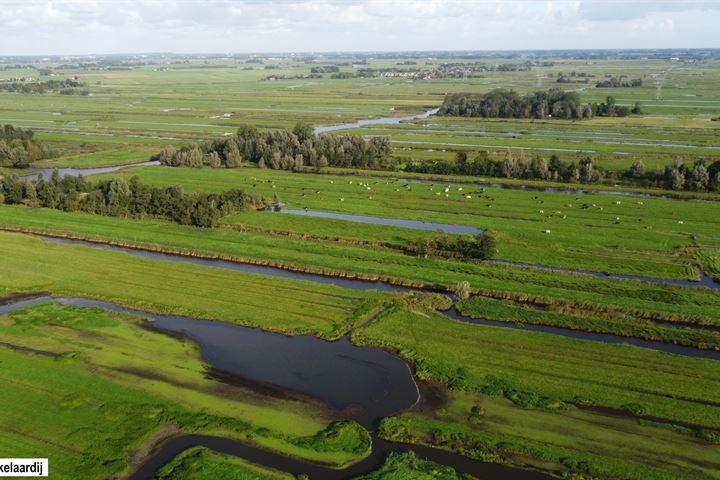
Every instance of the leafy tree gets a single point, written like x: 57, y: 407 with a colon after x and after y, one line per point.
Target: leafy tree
x: 699, y: 178
x: 637, y: 170
x: 462, y: 290
x: 303, y: 131
x: 485, y: 247
x: 233, y: 159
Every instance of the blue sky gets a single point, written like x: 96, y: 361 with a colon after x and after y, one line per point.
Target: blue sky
x: 33, y: 27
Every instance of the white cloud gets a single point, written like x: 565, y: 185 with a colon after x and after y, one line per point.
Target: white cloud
x: 85, y: 26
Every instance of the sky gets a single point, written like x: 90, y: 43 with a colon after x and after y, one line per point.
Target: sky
x: 67, y: 27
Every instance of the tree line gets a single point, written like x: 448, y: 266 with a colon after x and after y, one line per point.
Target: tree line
x: 617, y: 82
x: 512, y: 166
x: 282, y: 150
x: 18, y: 147
x: 66, y: 87
x: 479, y: 247
x: 696, y: 177
x: 119, y: 198
x: 555, y: 103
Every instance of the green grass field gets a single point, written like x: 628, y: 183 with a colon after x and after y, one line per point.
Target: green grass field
x: 95, y: 351
x: 94, y: 391
x: 476, y: 358
x: 600, y: 445
x: 555, y: 391
x: 169, y: 287
x: 648, y: 236
x: 679, y: 101
x: 610, y: 296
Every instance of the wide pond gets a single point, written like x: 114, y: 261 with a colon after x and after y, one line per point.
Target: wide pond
x: 362, y: 383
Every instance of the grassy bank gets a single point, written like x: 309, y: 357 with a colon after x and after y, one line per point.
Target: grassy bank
x: 625, y: 326
x: 199, y: 463
x: 171, y: 287
x: 549, y: 371
x: 555, y: 403
x: 498, y: 281
x: 594, y: 232
x: 114, y: 399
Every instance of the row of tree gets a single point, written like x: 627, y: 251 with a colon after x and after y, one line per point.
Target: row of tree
x: 696, y: 177
x: 126, y: 199
x: 480, y: 247
x: 18, y: 147
x: 536, y: 168
x: 66, y: 87
x: 283, y: 150
x: 502, y: 103
x: 617, y: 82
x: 556, y: 103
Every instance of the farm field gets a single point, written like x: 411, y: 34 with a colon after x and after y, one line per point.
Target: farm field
x: 130, y: 108
x: 635, y: 236
x: 666, y: 302
x: 322, y: 311
x: 273, y: 299
x: 546, y: 430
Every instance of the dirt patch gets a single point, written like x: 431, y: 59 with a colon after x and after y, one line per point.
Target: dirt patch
x: 236, y: 385
x: 20, y: 297
x: 20, y: 348
x: 152, y: 444
x: 433, y: 395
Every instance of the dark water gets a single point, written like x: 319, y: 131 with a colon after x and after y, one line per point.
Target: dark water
x: 380, y: 450
x: 369, y: 383
x: 46, y: 173
x: 395, y: 222
x: 594, y: 337
x: 374, y: 121
x: 705, y: 280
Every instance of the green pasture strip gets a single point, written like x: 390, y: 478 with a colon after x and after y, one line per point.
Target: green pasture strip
x: 594, y: 232
x: 171, y: 287
x: 538, y: 368
x: 372, y: 263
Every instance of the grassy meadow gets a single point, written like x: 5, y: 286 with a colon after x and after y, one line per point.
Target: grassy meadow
x: 95, y: 391
x: 127, y: 108
x: 101, y: 403
x: 555, y: 403
x: 603, y: 295
x: 627, y: 235
x: 298, y: 307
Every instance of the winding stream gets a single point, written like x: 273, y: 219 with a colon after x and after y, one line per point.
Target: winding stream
x: 396, y: 222
x: 46, y: 173
x: 374, y: 121
x: 357, y: 284
x: 365, y: 384
x: 705, y: 280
